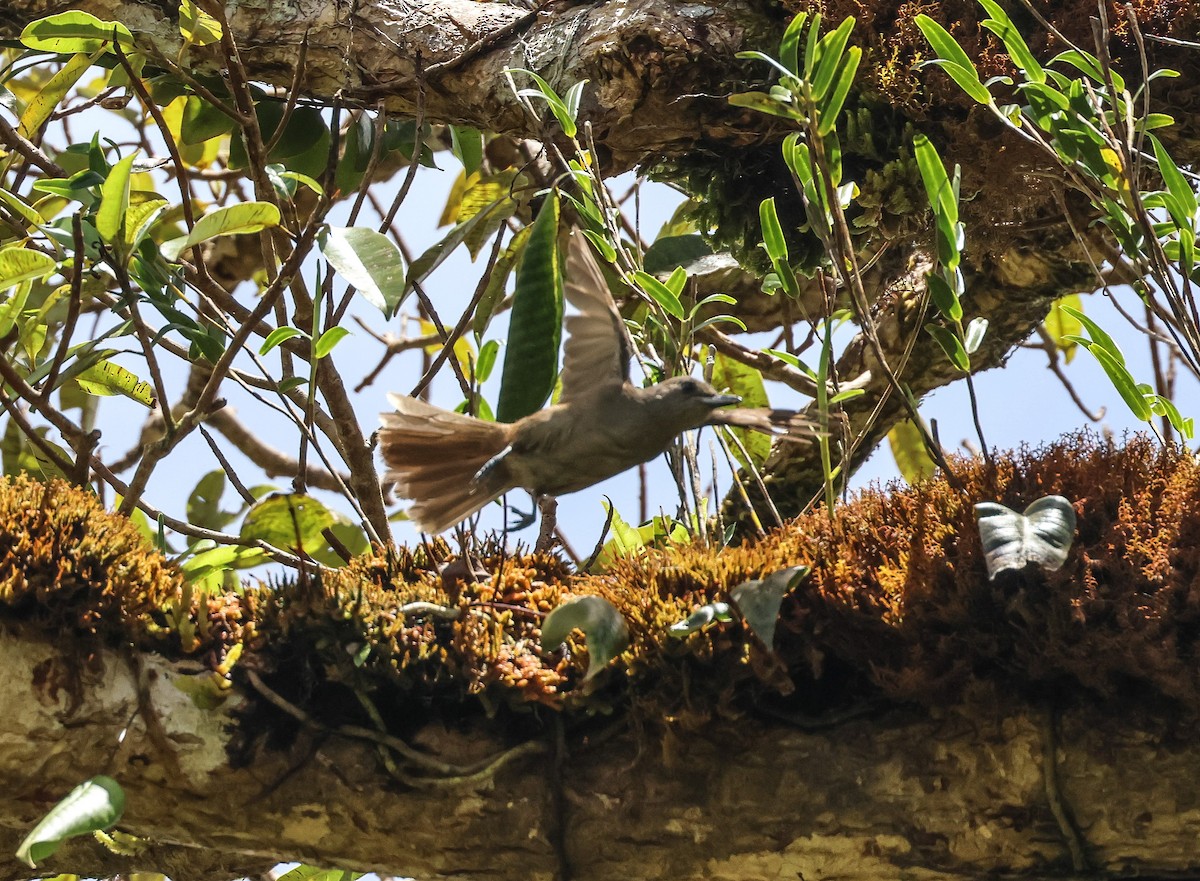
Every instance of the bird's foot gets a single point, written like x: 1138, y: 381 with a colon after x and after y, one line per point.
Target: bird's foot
x: 548, y: 505
x: 521, y: 519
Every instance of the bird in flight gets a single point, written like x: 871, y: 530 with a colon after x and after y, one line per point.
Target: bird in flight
x: 451, y: 465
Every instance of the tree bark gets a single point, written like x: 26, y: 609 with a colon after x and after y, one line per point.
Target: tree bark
x: 949, y: 794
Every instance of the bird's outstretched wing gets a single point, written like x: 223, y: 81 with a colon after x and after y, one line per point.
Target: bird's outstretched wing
x: 597, y: 350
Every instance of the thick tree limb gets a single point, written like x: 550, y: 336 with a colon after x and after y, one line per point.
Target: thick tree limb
x: 952, y: 794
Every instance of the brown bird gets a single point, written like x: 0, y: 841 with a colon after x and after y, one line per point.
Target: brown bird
x: 451, y: 465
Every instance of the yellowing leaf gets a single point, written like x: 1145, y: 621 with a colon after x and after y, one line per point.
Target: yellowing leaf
x: 197, y: 26
x: 40, y: 108
x: 1061, y: 325
x: 247, y: 217
x: 464, y: 352
x: 107, y: 378
x: 908, y: 449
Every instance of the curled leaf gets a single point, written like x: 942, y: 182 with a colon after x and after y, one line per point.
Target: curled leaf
x: 603, y: 627
x: 1041, y: 535
x: 700, y: 618
x: 759, y: 600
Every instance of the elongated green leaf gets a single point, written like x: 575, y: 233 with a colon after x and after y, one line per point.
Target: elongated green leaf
x: 46, y: 101
x: 70, y: 32
x: 789, y: 46
x: 765, y: 104
x: 1099, y: 336
x: 831, y: 108
x: 90, y: 807
x: 908, y: 449
x: 279, y: 335
x: 240, y: 219
x: 144, y: 210
x: 660, y: 293
x: 953, y: 59
x: 329, y: 339
x: 1011, y: 541
x: 369, y: 261
x: 433, y: 257
x: 1121, y: 378
x: 467, y: 144
x: 772, y: 231
x: 944, y: 297
x: 23, y: 264
x: 107, y: 378
x: 937, y: 182
x: 531, y: 357
x: 759, y: 600
x: 17, y: 204
x: 951, y: 345
x: 602, y: 625
x: 114, y: 200
x: 828, y: 57
x: 1001, y: 25
x: 1177, y: 184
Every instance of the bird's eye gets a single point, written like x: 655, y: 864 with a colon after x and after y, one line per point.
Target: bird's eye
x: 689, y: 387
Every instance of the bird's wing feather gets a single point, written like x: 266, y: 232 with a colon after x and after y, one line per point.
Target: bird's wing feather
x: 597, y: 348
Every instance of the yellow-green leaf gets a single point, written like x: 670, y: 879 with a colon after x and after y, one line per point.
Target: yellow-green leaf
x: 247, y: 217
x: 23, y: 264
x: 107, y: 378
x: 51, y: 95
x: 1061, y: 325
x: 733, y: 377
x: 114, y: 200
x: 69, y: 32
x: 908, y: 449
x: 197, y: 26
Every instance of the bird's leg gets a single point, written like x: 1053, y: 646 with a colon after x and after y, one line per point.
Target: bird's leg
x: 548, y: 505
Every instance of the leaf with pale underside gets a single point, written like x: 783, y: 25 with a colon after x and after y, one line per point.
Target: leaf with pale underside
x: 1041, y: 535
x: 759, y: 600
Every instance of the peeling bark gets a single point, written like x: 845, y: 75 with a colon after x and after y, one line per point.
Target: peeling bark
x: 944, y: 794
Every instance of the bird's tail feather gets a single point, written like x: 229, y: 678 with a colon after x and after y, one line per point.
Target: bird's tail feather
x: 433, y: 457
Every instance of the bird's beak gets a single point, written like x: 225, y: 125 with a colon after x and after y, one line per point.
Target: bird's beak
x: 721, y: 400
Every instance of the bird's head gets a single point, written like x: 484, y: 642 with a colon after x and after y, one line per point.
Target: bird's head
x: 688, y: 402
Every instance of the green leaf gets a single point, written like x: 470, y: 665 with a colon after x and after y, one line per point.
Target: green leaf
x: 70, y: 32
x: 204, y: 502
x: 660, y: 293
x: 937, y: 182
x: 92, y: 806
x: 953, y: 59
x: 535, y: 326
x: 107, y: 378
x: 486, y: 361
x: 370, y: 261
x: 1041, y: 535
x: 1121, y: 378
x: 435, y: 254
x: 1177, y: 184
x: 114, y: 200
x: 467, y: 144
x: 944, y: 297
x: 765, y: 104
x: 759, y: 600
x: 789, y: 46
x: 772, y: 231
x: 327, y: 340
x: 280, y: 335
x: 42, y: 106
x: 1001, y: 25
x: 951, y: 346
x: 23, y: 264
x: 202, y: 121
x: 292, y: 521
x: 667, y: 252
x: 831, y: 108
x: 603, y: 627
x: 908, y: 449
x: 828, y: 57
x: 352, y: 537
x: 232, y: 220
x: 196, y: 26
x: 1099, y: 336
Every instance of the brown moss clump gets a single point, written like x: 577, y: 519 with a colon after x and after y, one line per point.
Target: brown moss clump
x: 67, y: 564
x: 899, y: 603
